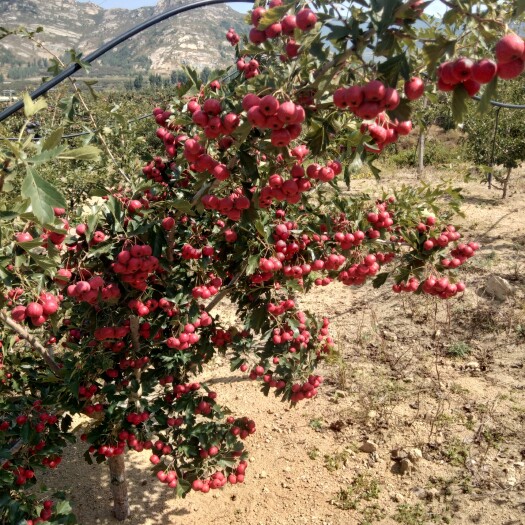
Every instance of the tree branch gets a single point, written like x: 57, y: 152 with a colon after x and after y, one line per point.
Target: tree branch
x: 32, y: 340
x: 222, y: 294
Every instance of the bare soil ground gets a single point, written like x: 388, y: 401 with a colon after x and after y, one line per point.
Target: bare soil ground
x: 447, y: 380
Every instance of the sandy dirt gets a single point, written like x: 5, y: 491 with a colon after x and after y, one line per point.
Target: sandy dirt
x: 398, y: 382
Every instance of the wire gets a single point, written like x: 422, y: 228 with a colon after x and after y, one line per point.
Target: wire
x: 82, y: 133
x: 73, y: 68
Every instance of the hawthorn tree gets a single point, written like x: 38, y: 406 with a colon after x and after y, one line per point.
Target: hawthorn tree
x: 108, y: 307
x: 505, y: 146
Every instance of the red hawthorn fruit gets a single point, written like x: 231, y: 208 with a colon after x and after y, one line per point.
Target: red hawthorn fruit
x: 509, y: 48
x: 306, y: 19
x: 484, y: 71
x: 510, y: 70
x: 414, y: 88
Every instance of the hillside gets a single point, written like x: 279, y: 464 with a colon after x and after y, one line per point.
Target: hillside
x: 195, y: 38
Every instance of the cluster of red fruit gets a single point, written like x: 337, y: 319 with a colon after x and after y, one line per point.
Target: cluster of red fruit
x: 231, y: 206
x: 283, y: 190
x: 207, y: 117
x: 306, y: 390
x: 357, y: 274
x: 136, y: 418
x: 445, y: 237
x: 460, y: 255
x: 242, y: 427
x: 232, y: 37
x: 441, y: 287
x: 51, y: 461
x: 135, y: 265
x: 510, y: 56
x: 205, y: 291
x: 249, y: 68
x: 111, y: 332
x: 383, y: 131
x: 305, y: 20
x: 156, y: 169
x: 169, y: 478
x: 125, y: 363
x: 92, y: 290
x: 218, y: 480
x: 185, y: 339
x: 188, y: 336
x: 37, y: 312
x: 45, y: 513
x: 283, y: 118
x: 281, y: 308
x: 368, y: 101
x: 22, y: 475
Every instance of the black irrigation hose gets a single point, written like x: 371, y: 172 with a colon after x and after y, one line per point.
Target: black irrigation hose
x: 502, y: 104
x: 82, y: 133
x: 73, y: 68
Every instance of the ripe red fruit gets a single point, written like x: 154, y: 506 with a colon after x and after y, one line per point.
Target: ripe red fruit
x: 134, y: 206
x: 230, y: 236
x: 257, y: 14
x: 405, y: 127
x: 268, y: 105
x: 288, y: 24
x: 471, y: 86
x: 280, y: 137
x: 34, y: 310
x: 257, y: 37
x: 509, y: 48
x: 306, y: 19
x: 212, y: 106
x: 168, y: 223
x: 511, y: 69
x: 462, y: 69
x: 354, y: 96
x: 414, y: 88
x: 81, y: 229
x: 484, y: 71
x: 374, y: 91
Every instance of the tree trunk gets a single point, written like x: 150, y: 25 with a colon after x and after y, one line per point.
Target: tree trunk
x: 421, y: 154
x: 506, y: 183
x: 119, y: 486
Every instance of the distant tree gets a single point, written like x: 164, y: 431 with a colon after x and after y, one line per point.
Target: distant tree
x: 509, y: 146
x: 138, y: 82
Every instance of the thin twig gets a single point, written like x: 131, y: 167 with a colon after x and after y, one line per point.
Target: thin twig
x: 222, y: 294
x: 44, y: 352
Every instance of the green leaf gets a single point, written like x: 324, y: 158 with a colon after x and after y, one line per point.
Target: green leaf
x: 53, y: 140
x: 459, y: 103
x: 393, y: 67
x: 84, y: 153
x: 63, y: 507
x: 490, y: 90
x: 32, y: 108
x: 253, y: 264
x: 273, y: 15
x: 43, y: 196
x: 380, y: 279
x: 46, y: 155
x: 182, y: 205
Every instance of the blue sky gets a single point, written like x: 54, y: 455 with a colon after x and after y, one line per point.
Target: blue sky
x: 435, y: 8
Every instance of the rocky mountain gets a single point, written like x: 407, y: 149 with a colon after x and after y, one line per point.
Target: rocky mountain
x: 196, y: 38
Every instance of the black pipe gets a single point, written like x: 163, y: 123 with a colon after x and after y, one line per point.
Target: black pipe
x: 502, y: 104
x: 73, y: 68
